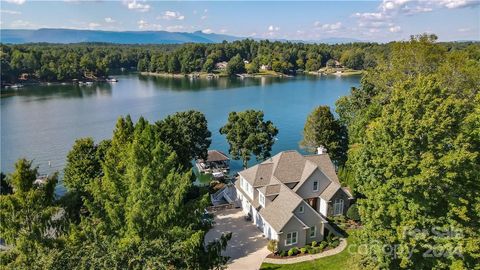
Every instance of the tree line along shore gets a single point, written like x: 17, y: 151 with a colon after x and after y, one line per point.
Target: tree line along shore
x: 33, y: 63
x: 406, y: 142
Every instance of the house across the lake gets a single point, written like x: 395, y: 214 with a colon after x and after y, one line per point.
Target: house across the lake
x: 221, y: 65
x: 265, y: 67
x: 290, y: 195
x: 217, y: 163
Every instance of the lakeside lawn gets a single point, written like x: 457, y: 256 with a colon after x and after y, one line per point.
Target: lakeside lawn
x: 340, y: 261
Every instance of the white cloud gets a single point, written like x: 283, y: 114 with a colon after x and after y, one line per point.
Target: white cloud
x: 463, y: 30
x: 109, y: 20
x: 93, y: 25
x: 207, y: 31
x: 175, y: 28
x: 458, y: 3
x: 22, y: 24
x: 272, y: 28
x: 372, y: 16
x: 138, y: 5
x: 171, y: 15
x: 223, y: 30
x: 17, y: 2
x: 388, y: 5
x: 395, y: 29
x: 328, y: 27
x: 144, y: 25
x: 10, y: 12
x: 203, y: 17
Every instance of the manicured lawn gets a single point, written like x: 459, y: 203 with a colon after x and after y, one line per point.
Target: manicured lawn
x: 342, y: 260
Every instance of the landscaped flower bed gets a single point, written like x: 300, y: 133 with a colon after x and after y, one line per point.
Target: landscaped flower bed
x: 313, y: 248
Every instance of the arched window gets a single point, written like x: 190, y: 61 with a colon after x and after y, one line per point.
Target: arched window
x: 338, y: 207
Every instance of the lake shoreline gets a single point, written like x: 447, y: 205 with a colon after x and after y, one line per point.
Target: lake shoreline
x: 201, y: 75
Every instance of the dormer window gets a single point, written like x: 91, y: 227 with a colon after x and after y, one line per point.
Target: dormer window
x: 315, y: 185
x: 261, y: 199
x: 301, y: 209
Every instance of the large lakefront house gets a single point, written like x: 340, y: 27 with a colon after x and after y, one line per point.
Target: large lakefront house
x: 289, y: 197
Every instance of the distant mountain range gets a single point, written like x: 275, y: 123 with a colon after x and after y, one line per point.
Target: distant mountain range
x: 19, y: 36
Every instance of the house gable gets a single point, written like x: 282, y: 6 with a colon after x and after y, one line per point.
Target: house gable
x: 306, y: 189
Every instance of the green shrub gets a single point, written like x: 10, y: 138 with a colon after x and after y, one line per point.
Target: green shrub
x: 334, y: 243
x: 303, y: 250
x: 314, y: 243
x: 282, y: 253
x: 317, y: 250
x: 352, y: 213
x: 272, y: 246
x: 311, y: 251
x: 293, y: 251
x: 322, y: 245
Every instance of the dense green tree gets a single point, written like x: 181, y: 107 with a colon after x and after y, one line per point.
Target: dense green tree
x: 353, y: 59
x: 139, y: 216
x: 414, y: 155
x: 5, y: 187
x: 312, y: 65
x: 235, y: 65
x: 188, y: 135
x: 253, y: 67
x: 248, y: 134
x: 83, y: 165
x: 322, y: 129
x: 26, y: 217
x: 209, y: 65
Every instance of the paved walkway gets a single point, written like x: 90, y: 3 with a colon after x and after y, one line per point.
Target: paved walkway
x: 330, y: 252
x: 247, y: 248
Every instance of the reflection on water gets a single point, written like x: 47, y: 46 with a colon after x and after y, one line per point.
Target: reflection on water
x: 60, y: 91
x: 42, y: 122
x: 189, y: 84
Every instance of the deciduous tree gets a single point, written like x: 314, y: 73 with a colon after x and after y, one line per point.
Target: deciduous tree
x: 322, y: 129
x: 248, y: 134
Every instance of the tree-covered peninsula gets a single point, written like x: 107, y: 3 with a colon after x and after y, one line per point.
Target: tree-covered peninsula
x: 84, y: 61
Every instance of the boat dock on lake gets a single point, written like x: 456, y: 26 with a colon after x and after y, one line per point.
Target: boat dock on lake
x: 217, y: 164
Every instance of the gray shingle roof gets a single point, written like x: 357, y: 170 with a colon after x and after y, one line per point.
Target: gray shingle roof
x: 325, y: 164
x: 289, y: 166
x: 280, y: 211
x: 271, y: 176
x: 215, y: 155
x: 259, y: 175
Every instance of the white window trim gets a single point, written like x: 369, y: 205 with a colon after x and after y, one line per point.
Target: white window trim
x: 314, y: 232
x: 340, y: 207
x: 292, y: 243
x: 301, y: 209
x: 315, y: 189
x: 261, y: 199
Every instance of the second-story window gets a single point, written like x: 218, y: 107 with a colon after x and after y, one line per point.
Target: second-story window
x: 261, y: 199
x: 301, y: 209
x: 315, y: 185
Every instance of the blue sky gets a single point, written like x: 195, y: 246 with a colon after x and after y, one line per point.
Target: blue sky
x: 313, y: 20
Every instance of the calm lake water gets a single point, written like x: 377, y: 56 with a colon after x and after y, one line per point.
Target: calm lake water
x: 42, y: 122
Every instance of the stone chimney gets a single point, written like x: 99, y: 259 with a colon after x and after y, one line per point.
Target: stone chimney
x: 321, y: 150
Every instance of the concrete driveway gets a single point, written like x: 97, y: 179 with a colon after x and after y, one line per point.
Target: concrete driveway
x: 247, y: 248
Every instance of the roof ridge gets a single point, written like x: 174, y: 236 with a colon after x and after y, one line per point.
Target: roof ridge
x: 313, y: 155
x: 301, y: 200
